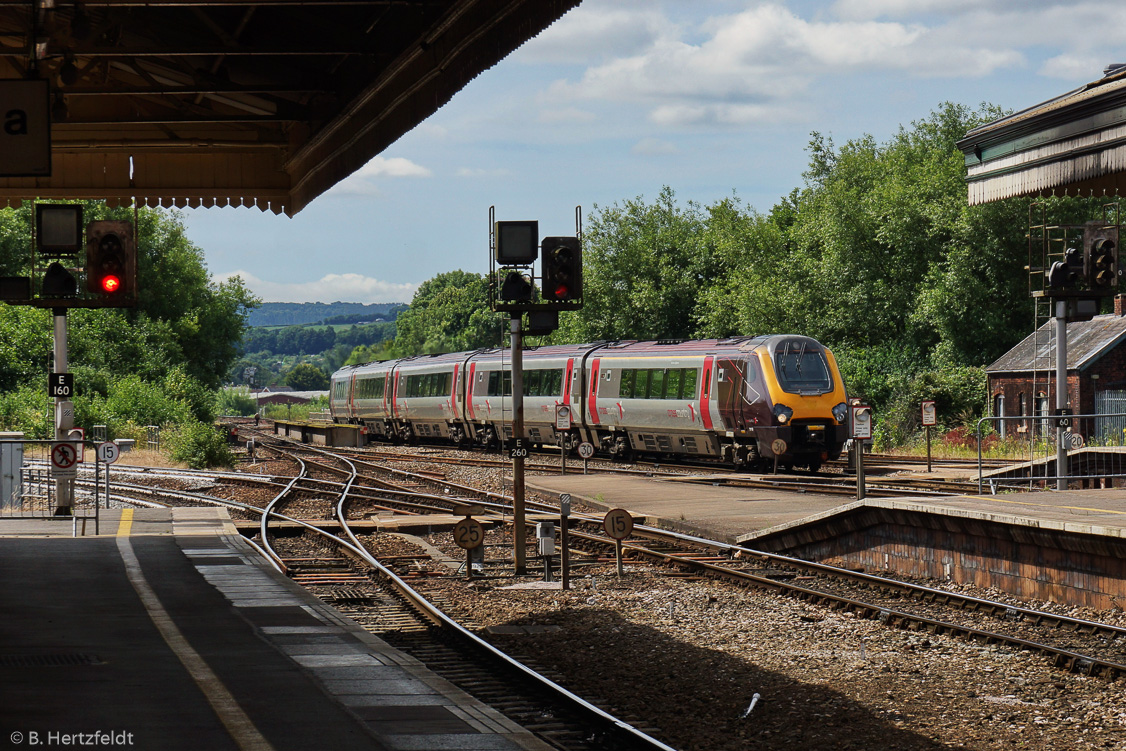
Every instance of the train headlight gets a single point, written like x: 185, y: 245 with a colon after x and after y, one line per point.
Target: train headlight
x: 840, y: 412
x: 782, y: 413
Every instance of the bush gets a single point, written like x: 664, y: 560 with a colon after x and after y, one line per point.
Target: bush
x: 28, y: 410
x: 299, y: 412
x: 236, y: 401
x: 199, y: 445
x: 132, y: 399
x: 182, y: 387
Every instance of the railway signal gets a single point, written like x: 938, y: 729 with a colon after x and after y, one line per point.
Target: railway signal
x: 1101, y: 262
x: 110, y: 259
x: 58, y: 282
x: 515, y: 242
x: 1066, y: 274
x: 515, y: 286
x: 562, y: 268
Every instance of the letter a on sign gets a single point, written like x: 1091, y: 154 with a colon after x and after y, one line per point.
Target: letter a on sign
x: 25, y: 128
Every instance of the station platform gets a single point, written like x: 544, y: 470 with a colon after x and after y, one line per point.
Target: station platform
x: 168, y: 631
x: 1067, y: 547
x: 715, y: 511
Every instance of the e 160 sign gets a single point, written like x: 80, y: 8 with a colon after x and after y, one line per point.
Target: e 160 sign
x: 61, y: 385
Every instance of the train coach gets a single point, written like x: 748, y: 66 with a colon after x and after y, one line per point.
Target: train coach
x: 741, y: 401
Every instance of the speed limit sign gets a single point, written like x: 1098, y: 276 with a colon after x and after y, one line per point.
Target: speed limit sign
x: 586, y: 449
x: 469, y: 534
x: 618, y: 523
x: 108, y: 452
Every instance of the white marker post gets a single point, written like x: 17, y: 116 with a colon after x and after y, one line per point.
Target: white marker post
x: 929, y: 418
x: 562, y: 427
x: 861, y: 431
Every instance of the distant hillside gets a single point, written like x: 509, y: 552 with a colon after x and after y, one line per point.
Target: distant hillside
x: 295, y: 313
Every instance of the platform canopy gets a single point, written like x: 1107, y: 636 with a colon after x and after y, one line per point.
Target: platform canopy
x: 1075, y: 143
x: 264, y: 103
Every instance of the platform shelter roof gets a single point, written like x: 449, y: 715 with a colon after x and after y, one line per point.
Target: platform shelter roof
x: 264, y: 103
x: 1072, y: 144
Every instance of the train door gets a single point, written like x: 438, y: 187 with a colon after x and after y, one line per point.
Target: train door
x: 729, y: 392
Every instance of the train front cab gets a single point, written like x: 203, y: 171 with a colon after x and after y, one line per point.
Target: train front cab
x: 806, y: 397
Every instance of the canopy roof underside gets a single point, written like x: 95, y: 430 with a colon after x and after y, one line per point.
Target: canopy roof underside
x: 264, y: 103
x: 1075, y: 143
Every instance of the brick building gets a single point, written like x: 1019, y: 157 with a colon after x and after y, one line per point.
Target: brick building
x: 1022, y: 383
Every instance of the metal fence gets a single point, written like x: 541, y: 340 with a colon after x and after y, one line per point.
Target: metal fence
x: 1020, y: 452
x: 28, y: 486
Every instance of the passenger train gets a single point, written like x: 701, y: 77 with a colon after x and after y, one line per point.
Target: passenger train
x: 741, y: 401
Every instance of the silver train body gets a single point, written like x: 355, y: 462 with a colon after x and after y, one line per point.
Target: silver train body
x: 738, y: 401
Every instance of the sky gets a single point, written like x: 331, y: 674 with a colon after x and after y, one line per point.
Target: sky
x: 619, y: 98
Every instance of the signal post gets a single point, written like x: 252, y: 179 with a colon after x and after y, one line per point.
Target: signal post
x: 51, y: 281
x: 514, y: 247
x: 1075, y: 283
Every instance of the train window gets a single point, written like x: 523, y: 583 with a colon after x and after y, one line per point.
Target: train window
x: 428, y: 384
x: 371, y: 387
x: 672, y: 383
x: 688, y: 383
x: 625, y: 387
x: 802, y: 368
x: 641, y: 385
x: 658, y: 383
x: 543, y: 383
x: 499, y: 379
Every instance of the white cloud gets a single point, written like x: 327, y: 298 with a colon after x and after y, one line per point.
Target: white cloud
x: 759, y: 65
x: 595, y: 32
x: 1074, y: 67
x: 393, y: 167
x: 566, y: 115
x: 653, y: 147
x: 344, y: 287
x: 367, y: 180
x: 482, y: 172
x: 870, y: 9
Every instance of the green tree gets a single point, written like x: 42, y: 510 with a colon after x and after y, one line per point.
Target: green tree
x: 306, y: 377
x: 644, y: 266
x: 448, y: 313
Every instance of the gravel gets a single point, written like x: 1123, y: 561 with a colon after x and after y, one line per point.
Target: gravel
x: 687, y: 659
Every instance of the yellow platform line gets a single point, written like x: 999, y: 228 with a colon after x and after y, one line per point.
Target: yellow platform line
x: 125, y: 526
x: 995, y: 499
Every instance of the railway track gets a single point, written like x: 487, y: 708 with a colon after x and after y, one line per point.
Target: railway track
x: 381, y: 600
x: 1076, y: 645
x: 1080, y: 646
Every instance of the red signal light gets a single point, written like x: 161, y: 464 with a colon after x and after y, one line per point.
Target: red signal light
x: 111, y: 283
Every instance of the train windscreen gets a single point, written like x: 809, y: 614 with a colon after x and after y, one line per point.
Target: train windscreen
x: 801, y: 368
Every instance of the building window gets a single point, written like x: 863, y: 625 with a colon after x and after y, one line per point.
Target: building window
x: 999, y: 412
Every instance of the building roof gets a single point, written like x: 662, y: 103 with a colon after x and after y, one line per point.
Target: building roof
x: 1087, y: 341
x: 263, y: 103
x: 1073, y: 142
